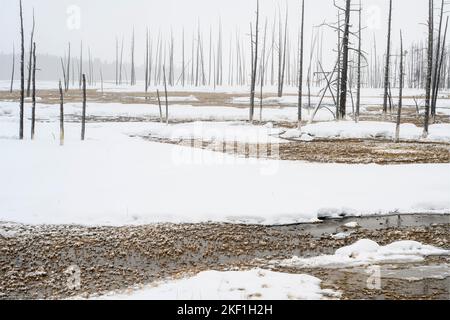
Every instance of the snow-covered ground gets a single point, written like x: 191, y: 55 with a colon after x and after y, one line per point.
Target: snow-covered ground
x: 117, y: 178
x: 367, y: 252
x: 364, y: 129
x: 256, y: 284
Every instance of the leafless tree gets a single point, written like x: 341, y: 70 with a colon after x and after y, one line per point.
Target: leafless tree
x: 33, y: 93
x: 300, y: 75
x: 430, y: 67
x: 400, y: 94
x: 255, y: 44
x: 388, y: 59
x: 31, y: 58
x: 344, y: 71
x: 13, y: 69
x: 83, y: 116
x: 22, y: 74
x: 61, y: 114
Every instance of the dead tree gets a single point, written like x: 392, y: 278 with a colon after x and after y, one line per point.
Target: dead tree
x: 255, y: 45
x: 68, y: 71
x: 345, y: 56
x: 282, y: 56
x: 146, y: 61
x: 436, y: 76
x: 388, y: 59
x: 133, y: 70
x: 358, y: 85
x: 22, y: 74
x: 80, y: 75
x: 117, y: 61
x: 438, y: 82
x: 263, y: 72
x: 400, y: 94
x: 161, y: 118
x: 33, y: 93
x: 83, y: 115
x: 429, y: 69
x: 30, y: 59
x: 61, y: 114
x: 13, y: 69
x: 300, y: 75
x: 165, y: 92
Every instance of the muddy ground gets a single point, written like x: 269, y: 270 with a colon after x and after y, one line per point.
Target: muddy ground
x: 34, y: 259
x: 211, y: 99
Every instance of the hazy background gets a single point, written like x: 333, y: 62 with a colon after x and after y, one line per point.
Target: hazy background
x: 98, y: 22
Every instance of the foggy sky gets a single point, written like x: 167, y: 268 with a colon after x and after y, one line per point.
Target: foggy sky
x: 102, y: 20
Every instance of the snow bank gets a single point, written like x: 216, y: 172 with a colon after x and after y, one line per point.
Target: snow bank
x: 368, y: 130
x: 254, y: 284
x: 366, y: 252
x: 217, y: 131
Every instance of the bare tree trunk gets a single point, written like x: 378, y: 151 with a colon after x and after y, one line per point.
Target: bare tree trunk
x: 81, y: 65
x: 388, y: 59
x: 117, y: 61
x: 22, y: 74
x: 146, y: 62
x: 61, y: 115
x: 440, y: 66
x: 358, y: 85
x: 165, y: 92
x: 68, y: 71
x: 183, y: 67
x: 429, y: 69
x: 121, y: 63
x: 160, y: 108
x: 13, y: 69
x: 263, y: 73
x: 300, y: 76
x: 30, y: 60
x: 345, y: 50
x: 101, y: 79
x: 283, y: 67
x: 436, y: 76
x: 133, y: 70
x: 400, y: 95
x: 33, y: 93
x: 254, y: 65
x: 83, y: 116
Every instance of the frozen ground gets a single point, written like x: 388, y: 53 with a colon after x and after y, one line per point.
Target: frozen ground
x: 117, y: 178
x: 366, y: 252
x: 256, y: 284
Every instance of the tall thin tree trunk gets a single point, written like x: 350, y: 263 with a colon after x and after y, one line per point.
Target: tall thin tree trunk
x: 30, y: 59
x: 83, y: 116
x: 13, y: 69
x: 429, y: 69
x: 167, y: 98
x: 400, y: 94
x: 22, y: 74
x: 388, y: 59
x: 255, y: 65
x: 440, y: 65
x: 358, y: 85
x: 68, y: 71
x: 300, y: 75
x: 33, y: 93
x: 435, y: 79
x: 345, y: 50
x: 161, y: 118
x: 61, y: 114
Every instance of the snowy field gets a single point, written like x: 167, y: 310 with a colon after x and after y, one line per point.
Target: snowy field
x: 256, y: 284
x: 116, y: 177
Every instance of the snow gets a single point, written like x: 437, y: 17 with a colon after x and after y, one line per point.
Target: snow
x: 256, y: 284
x: 118, y: 178
x: 217, y: 131
x: 368, y: 130
x: 367, y: 252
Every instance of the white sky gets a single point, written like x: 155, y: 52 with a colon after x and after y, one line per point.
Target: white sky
x: 102, y: 20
